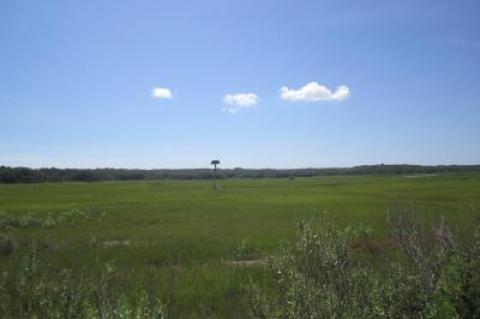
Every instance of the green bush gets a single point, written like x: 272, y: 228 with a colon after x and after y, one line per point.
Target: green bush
x: 326, y: 274
x: 463, y: 285
x: 34, y: 292
x: 7, y: 244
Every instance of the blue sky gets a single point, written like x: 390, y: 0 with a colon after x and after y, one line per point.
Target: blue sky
x: 77, y: 81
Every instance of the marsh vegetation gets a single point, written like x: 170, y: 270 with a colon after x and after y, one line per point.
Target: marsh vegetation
x: 376, y: 246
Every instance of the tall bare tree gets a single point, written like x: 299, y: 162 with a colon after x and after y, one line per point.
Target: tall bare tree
x: 215, y: 163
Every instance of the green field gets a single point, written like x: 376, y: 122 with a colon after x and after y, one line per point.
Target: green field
x: 184, y: 230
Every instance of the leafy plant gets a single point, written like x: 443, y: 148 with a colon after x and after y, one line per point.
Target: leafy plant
x: 428, y: 275
x: 34, y: 292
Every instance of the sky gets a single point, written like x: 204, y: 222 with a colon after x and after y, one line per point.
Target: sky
x: 274, y: 83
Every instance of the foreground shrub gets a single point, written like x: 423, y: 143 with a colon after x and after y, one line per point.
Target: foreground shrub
x: 464, y: 280
x: 35, y: 292
x: 324, y: 274
x: 7, y: 244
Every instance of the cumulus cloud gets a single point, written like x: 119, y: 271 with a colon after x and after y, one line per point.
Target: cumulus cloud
x: 161, y: 93
x: 313, y: 92
x: 237, y: 101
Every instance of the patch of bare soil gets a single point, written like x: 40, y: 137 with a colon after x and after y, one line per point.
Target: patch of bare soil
x: 246, y: 263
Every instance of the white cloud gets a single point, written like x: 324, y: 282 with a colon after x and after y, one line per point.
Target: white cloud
x: 239, y: 100
x: 313, y: 92
x: 161, y: 93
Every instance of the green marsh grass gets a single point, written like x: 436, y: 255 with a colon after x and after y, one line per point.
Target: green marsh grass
x: 177, y: 236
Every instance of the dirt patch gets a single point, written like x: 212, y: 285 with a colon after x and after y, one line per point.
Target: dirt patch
x: 246, y: 263
x: 420, y: 175
x: 114, y: 243
x: 122, y: 243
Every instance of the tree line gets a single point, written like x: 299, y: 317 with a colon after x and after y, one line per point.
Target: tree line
x: 41, y: 175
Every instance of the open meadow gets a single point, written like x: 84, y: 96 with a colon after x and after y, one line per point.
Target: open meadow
x: 199, y: 248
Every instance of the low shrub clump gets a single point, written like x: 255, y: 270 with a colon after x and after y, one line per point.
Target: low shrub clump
x: 35, y: 291
x: 10, y: 221
x: 327, y: 274
x: 7, y: 244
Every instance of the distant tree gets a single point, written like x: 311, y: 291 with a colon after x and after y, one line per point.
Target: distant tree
x: 215, y: 163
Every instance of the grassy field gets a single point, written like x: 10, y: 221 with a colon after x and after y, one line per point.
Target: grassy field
x: 183, y: 236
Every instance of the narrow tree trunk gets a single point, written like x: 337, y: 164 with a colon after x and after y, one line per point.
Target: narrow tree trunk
x: 215, y: 177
